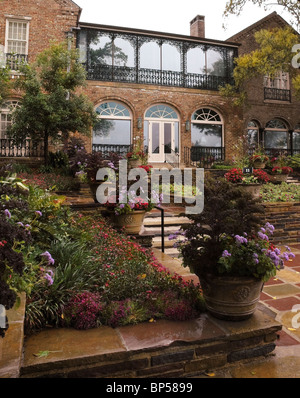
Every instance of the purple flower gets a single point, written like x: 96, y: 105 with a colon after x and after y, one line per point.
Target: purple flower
x: 38, y: 213
x: 226, y: 253
x: 48, y: 257
x: 7, y: 213
x: 240, y: 239
x: 49, y: 279
x: 262, y: 236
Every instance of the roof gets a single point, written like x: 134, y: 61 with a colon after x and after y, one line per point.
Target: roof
x: 261, y: 24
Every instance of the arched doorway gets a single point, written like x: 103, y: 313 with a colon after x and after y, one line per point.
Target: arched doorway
x: 161, y: 133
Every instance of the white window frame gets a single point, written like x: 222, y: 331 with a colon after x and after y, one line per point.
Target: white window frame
x: 15, y: 19
x: 281, y: 81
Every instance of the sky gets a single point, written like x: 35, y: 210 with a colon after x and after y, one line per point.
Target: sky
x: 171, y: 16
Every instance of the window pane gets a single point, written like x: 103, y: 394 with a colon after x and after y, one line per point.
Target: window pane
x: 101, y: 50
x: 252, y: 137
x: 208, y: 135
x: 123, y: 53
x: 216, y: 62
x: 275, y: 139
x: 296, y: 140
x: 171, y: 58
x: 196, y: 60
x: 167, y: 137
x: 155, y: 138
x: 112, y: 132
x: 150, y: 56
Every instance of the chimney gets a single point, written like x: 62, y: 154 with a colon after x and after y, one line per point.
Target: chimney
x: 197, y: 26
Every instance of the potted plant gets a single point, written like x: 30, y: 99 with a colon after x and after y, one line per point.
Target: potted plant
x: 248, y: 182
x: 280, y: 174
x: 130, y: 215
x: 229, y: 252
x: 259, y: 159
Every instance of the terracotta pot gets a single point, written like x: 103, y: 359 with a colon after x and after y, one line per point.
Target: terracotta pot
x: 254, y: 189
x: 231, y: 298
x: 131, y: 223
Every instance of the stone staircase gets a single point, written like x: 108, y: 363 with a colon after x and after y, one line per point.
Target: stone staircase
x: 173, y: 220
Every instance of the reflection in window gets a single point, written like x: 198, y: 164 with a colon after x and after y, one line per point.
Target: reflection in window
x: 196, y: 60
x: 276, y: 135
x: 113, y: 126
x: 252, y: 134
x: 296, y: 137
x: 5, y: 116
x: 211, y: 61
x: 215, y: 63
x: 107, y: 51
x: 207, y: 128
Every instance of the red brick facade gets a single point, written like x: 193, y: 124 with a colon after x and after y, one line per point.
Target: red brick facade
x: 52, y: 19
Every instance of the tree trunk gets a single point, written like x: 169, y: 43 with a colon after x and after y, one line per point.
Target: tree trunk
x: 46, y: 148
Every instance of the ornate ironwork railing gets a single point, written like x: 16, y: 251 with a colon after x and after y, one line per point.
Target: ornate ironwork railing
x: 277, y: 94
x: 13, y: 61
x: 155, y: 76
x: 203, y: 156
x: 28, y: 148
x: 278, y: 151
x: 107, y: 149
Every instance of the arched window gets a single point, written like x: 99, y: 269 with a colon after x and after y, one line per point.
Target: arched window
x: 276, y: 135
x: 5, y: 116
x: 161, y: 133
x: 207, y: 128
x: 113, y: 130
x: 296, y: 138
x: 252, y: 134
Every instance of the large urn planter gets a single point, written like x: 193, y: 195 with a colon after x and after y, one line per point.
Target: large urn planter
x: 253, y: 189
x: 231, y: 298
x: 133, y: 163
x: 131, y: 223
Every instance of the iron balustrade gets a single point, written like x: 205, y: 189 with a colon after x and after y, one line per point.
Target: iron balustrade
x: 13, y: 61
x: 203, y: 156
x: 277, y: 94
x: 157, y: 77
x: 27, y: 148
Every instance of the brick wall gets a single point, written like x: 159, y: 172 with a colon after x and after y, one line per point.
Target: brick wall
x: 49, y: 20
x: 138, y: 98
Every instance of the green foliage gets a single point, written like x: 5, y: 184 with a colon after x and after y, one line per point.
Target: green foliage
x: 51, y: 107
x: 283, y: 192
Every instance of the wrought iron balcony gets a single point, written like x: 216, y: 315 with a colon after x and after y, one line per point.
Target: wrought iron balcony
x: 13, y: 61
x: 106, y: 149
x: 203, y: 156
x: 111, y: 54
x: 277, y: 94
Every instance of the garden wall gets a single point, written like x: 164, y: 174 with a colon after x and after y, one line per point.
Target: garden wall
x: 285, y: 216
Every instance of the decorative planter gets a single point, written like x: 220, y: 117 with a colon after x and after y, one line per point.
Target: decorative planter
x: 131, y: 223
x: 132, y: 163
x: 280, y: 177
x: 253, y: 189
x: 231, y: 298
x: 259, y: 164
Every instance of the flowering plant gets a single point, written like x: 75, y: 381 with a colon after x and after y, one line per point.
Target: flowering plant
x: 236, y: 176
x: 134, y: 203
x: 282, y: 170
x: 259, y: 157
x: 252, y: 256
x: 136, y: 154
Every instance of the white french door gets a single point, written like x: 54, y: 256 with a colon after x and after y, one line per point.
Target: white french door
x: 161, y: 140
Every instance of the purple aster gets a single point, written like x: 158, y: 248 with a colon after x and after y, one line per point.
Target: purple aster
x: 7, y: 213
x: 48, y: 257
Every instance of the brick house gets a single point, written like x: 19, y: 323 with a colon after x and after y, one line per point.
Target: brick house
x: 158, y: 89
x: 273, y: 115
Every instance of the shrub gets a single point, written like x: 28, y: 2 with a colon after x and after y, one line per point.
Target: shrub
x: 83, y: 311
